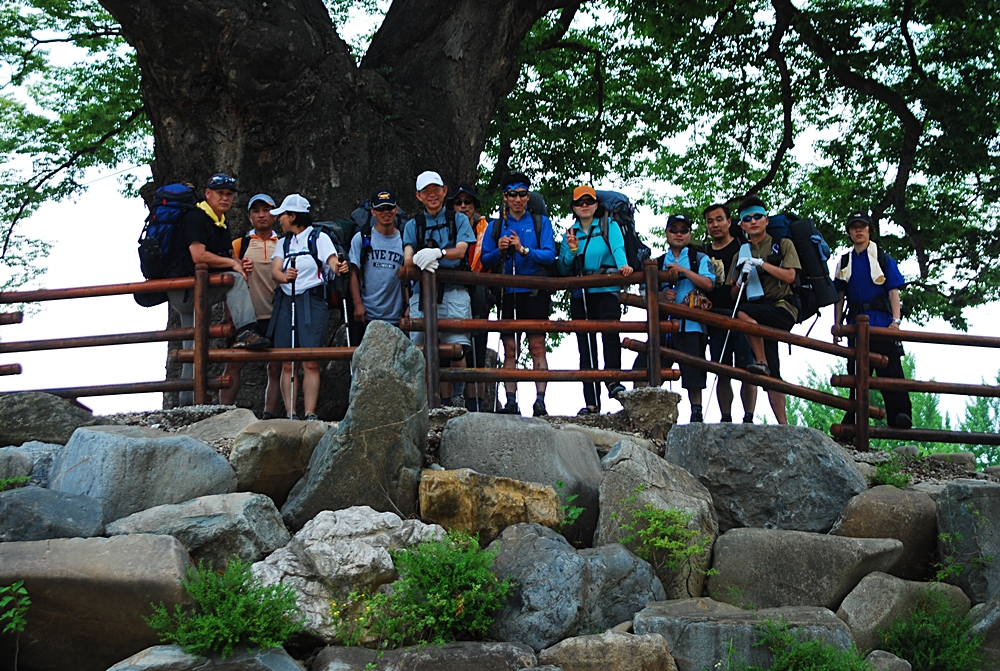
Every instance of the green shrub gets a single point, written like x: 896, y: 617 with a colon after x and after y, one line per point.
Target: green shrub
x: 890, y: 473
x: 445, y: 591
x: 232, y: 609
x: 794, y: 653
x: 14, y: 602
x: 935, y: 637
x: 13, y: 483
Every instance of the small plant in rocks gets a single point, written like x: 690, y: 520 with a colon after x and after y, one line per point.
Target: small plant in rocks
x: 14, y: 602
x: 935, y: 637
x: 792, y: 652
x: 13, y: 483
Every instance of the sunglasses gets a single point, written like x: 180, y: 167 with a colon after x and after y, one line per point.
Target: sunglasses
x: 584, y: 202
x: 754, y: 217
x: 516, y: 194
x: 219, y: 182
x: 384, y: 208
x: 679, y: 231
x: 465, y: 202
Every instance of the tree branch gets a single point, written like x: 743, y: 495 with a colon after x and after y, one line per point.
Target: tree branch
x: 562, y: 25
x: 904, y: 24
x: 73, y: 158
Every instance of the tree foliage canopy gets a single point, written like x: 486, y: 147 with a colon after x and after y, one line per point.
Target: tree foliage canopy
x: 822, y: 106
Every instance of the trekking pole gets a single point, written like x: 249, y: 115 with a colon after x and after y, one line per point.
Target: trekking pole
x: 295, y: 364
x: 744, y: 274
x: 591, y: 340
x: 513, y: 295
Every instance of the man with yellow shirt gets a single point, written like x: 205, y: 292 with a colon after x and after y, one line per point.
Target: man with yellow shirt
x: 205, y: 238
x: 256, y: 258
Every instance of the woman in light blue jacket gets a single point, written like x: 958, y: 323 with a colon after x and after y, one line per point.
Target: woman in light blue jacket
x: 589, y: 249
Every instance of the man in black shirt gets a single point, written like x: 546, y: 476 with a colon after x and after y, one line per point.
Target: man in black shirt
x: 205, y: 238
x: 725, y: 247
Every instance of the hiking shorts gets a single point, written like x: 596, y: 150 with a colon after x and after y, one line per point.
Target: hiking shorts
x: 455, y: 304
x: 522, y: 305
x: 312, y: 315
x: 690, y: 343
x: 770, y: 314
x: 737, y: 348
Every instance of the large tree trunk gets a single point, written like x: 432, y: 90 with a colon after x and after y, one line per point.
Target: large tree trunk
x: 268, y: 92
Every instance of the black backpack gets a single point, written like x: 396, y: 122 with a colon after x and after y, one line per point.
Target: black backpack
x: 336, y: 287
x: 619, y: 208
x: 157, y: 250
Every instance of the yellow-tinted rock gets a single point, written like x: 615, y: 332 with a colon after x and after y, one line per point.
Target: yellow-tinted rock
x: 485, y: 505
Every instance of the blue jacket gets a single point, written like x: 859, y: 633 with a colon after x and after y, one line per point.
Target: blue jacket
x: 541, y: 253
x: 686, y: 286
x: 595, y: 254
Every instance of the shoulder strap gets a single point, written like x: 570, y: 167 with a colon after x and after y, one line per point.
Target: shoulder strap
x: 420, y: 219
x: 449, y: 217
x: 537, y: 218
x: 311, y: 244
x: 287, y: 243
x: 844, y: 260
x: 244, y: 245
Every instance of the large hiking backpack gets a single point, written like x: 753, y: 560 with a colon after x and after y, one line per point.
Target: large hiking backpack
x: 157, y: 250
x: 813, y: 284
x: 335, y: 287
x: 620, y: 209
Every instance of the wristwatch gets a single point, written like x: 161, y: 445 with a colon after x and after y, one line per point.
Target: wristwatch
x: 523, y: 251
x: 896, y: 321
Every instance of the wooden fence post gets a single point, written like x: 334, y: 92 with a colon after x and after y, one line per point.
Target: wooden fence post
x: 428, y: 291
x: 653, y: 322
x: 201, y: 323
x: 862, y: 373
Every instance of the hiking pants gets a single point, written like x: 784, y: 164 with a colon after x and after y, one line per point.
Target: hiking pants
x: 896, y: 402
x: 600, y: 305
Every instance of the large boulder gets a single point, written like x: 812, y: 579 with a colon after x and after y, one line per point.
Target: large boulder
x: 968, y: 516
x: 652, y: 410
x: 375, y: 454
x: 880, y: 660
x: 775, y: 477
x: 610, y: 651
x: 701, y: 632
x: 132, y: 474
x: 887, y: 512
x: 604, y: 439
x: 339, y: 552
x: 770, y: 568
x: 529, y: 450
x: 986, y: 621
x: 881, y: 599
x: 32, y: 459
x: 214, y: 528
x: 270, y: 457
x: 173, y: 658
x: 34, y: 415
x: 484, y: 505
x: 225, y: 425
x: 88, y: 597
x: 560, y: 592
x: 36, y: 514
x: 635, y: 478
x: 452, y: 657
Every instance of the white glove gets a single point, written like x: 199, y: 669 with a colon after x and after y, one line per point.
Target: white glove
x: 751, y: 262
x: 432, y: 266
x: 425, y: 256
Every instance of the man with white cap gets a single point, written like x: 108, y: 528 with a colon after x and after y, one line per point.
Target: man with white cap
x: 206, y: 239
x: 254, y: 250
x: 439, y: 236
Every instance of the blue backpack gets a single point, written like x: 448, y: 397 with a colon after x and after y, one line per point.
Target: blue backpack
x: 156, y: 242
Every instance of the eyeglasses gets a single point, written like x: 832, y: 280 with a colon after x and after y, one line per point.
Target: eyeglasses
x: 516, y: 194
x: 679, y: 231
x: 465, y: 202
x: 384, y: 208
x: 584, y: 202
x: 755, y: 217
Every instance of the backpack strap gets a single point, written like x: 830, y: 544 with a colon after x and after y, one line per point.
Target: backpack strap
x: 244, y: 245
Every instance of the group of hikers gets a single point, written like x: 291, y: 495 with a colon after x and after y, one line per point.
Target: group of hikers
x: 281, y: 294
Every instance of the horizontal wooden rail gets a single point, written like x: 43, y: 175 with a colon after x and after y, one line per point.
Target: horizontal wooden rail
x: 169, y: 335
x: 445, y: 276
x: 223, y: 382
x: 448, y: 351
x: 10, y: 369
x: 11, y: 318
x: 522, y: 375
x: 712, y: 319
x: 149, y: 286
x: 898, y: 384
x: 742, y: 375
x: 536, y: 325
x: 919, y: 435
x: 920, y: 336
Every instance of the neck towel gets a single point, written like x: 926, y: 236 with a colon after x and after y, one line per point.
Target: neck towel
x: 220, y: 222
x: 754, y: 289
x: 878, y: 277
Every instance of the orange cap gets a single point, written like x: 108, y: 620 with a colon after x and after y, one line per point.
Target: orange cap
x: 585, y: 190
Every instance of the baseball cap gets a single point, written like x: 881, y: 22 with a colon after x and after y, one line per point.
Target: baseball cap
x: 858, y: 216
x: 468, y: 190
x: 263, y: 197
x: 380, y: 198
x: 221, y: 181
x: 428, y: 178
x: 679, y: 219
x: 292, y: 203
x: 584, y: 190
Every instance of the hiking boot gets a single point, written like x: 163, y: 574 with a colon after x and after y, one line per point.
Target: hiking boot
x: 760, y: 368
x: 615, y: 390
x: 511, y: 408
x: 538, y: 409
x: 696, y: 418
x: 248, y: 339
x: 311, y: 417
x: 588, y: 410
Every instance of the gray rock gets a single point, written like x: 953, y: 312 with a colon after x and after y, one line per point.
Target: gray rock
x: 214, y: 528
x: 338, y: 552
x: 561, y: 592
x: 652, y: 410
x: 35, y: 455
x: 88, y: 597
x: 699, y: 632
x: 529, y: 450
x: 931, y: 489
x: 771, y: 568
x: 132, y: 474
x: 968, y: 516
x: 886, y: 661
x: 886, y: 512
x: 610, y: 651
x: 343, y: 658
x: 270, y: 457
x: 15, y: 463
x: 227, y: 425
x: 966, y: 459
x: 628, y: 467
x: 438, y: 417
x: 775, y: 477
x: 173, y: 658
x: 34, y: 415
x: 130, y: 431
x: 910, y: 451
x: 880, y: 600
x: 458, y: 657
x: 375, y: 454
x: 604, y: 440
x: 986, y: 620
x: 35, y: 514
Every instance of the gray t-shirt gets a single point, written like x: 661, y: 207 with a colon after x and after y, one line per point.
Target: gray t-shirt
x: 381, y: 289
